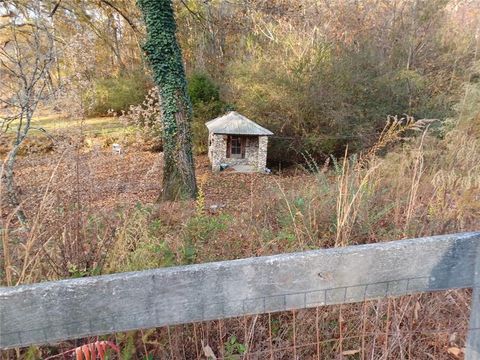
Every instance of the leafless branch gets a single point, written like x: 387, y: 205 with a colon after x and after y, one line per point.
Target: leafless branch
x: 55, y: 8
x: 121, y: 13
x: 194, y: 13
x: 26, y: 59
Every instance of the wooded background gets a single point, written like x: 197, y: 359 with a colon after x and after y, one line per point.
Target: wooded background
x: 322, y: 74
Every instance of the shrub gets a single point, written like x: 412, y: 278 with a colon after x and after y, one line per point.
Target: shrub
x: 199, y: 230
x: 202, y: 89
x: 146, y: 118
x: 117, y: 93
x: 139, y: 243
x: 206, y: 104
x: 37, y: 145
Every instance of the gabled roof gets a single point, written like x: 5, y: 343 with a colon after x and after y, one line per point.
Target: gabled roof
x: 235, y: 124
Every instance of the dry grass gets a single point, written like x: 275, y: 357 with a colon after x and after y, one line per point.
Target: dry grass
x: 92, y: 126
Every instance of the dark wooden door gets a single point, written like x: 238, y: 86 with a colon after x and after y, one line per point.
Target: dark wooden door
x: 236, y: 147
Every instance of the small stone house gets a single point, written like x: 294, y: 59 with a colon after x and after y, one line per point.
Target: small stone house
x: 237, y: 142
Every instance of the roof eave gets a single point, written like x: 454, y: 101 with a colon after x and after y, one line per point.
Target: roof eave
x: 236, y: 133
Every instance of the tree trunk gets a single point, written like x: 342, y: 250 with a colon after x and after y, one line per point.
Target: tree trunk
x: 8, y: 179
x: 165, y: 57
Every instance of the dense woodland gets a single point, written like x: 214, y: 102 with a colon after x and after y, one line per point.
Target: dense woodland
x: 320, y: 74
x: 375, y: 106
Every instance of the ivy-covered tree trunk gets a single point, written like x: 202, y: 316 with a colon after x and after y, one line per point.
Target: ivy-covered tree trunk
x: 165, y: 57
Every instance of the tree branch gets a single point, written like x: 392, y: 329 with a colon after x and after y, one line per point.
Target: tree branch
x: 55, y: 8
x: 122, y: 14
x: 197, y: 15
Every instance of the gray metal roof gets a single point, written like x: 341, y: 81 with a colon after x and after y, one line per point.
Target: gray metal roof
x: 234, y: 123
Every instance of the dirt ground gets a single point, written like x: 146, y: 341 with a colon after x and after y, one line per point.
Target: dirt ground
x: 107, y: 180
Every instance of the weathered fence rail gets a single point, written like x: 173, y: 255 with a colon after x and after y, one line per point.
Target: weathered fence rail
x: 53, y: 311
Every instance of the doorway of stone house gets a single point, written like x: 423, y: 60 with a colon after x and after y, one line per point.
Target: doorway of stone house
x: 236, y: 147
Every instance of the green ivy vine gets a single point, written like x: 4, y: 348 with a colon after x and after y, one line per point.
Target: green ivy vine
x: 165, y: 57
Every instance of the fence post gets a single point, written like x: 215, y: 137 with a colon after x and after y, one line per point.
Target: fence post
x: 473, y: 339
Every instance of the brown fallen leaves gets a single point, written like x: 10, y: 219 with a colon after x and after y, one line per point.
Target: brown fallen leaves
x: 455, y: 351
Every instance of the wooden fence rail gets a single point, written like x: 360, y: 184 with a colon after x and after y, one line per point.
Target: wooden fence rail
x: 67, y: 309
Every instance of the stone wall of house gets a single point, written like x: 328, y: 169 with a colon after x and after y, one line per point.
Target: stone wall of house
x: 217, y: 150
x: 210, y: 147
x: 262, y: 153
x: 255, y: 152
x: 251, y: 150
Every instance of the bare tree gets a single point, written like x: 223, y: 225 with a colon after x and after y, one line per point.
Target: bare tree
x: 26, y: 56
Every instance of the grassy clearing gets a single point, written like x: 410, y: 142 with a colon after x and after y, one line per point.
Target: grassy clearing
x: 96, y: 126
x: 51, y: 131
